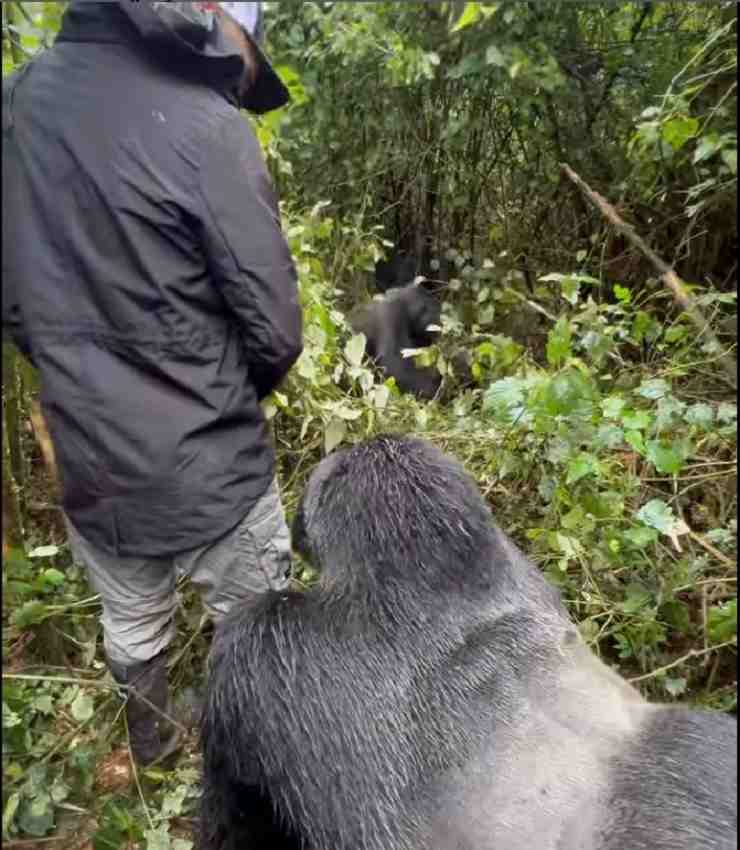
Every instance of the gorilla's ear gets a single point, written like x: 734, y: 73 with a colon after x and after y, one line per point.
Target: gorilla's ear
x: 434, y: 287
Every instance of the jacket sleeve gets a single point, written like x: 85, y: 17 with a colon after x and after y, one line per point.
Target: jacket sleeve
x: 247, y: 253
x: 13, y: 328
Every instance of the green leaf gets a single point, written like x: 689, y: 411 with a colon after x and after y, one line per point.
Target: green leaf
x: 53, y: 577
x: 665, y: 457
x: 675, y: 686
x: 622, y: 293
x: 700, y: 414
x: 612, y: 407
x: 505, y: 398
x: 44, y: 552
x: 729, y: 157
x: 676, y: 333
x: 707, y: 147
x: 608, y: 436
x: 657, y: 514
x: 570, y: 393
x: 495, y: 57
x: 334, y: 434
x: 676, y: 614
x: 44, y: 704
x: 30, y: 613
x: 637, y: 599
x: 677, y: 131
x: 354, y: 350
x: 9, y: 812
x: 37, y: 815
x: 469, y: 16
x: 670, y: 412
x: 581, y: 466
x: 635, y: 440
x: 558, y: 342
x: 654, y: 388
x: 158, y: 839
x: 82, y: 707
x: 722, y: 621
x: 726, y: 412
x: 636, y: 420
x: 641, y: 536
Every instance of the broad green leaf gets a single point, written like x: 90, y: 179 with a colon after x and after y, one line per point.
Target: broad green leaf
x: 729, y: 157
x: 675, y: 685
x: 495, y: 57
x: 37, y: 815
x: 701, y: 415
x: 635, y: 440
x: 641, y: 536
x: 666, y: 458
x: 470, y: 15
x: 82, y: 707
x: 636, y: 420
x: 677, y: 131
x: 558, y: 342
x: 580, y: 467
x: 158, y: 839
x: 354, y: 350
x: 44, y: 552
x: 622, y: 293
x: 569, y: 393
x: 637, y: 599
x: 657, y: 514
x: 608, y: 436
x: 722, y: 621
x: 53, y: 577
x: 44, y: 704
x: 706, y: 148
x: 612, y: 407
x: 9, y: 812
x: 334, y: 434
x: 654, y: 388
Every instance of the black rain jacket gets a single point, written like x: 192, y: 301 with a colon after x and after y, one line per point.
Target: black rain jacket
x: 145, y: 273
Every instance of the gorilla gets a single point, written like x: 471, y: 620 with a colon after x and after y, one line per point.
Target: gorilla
x: 431, y: 693
x: 398, y: 270
x: 401, y: 320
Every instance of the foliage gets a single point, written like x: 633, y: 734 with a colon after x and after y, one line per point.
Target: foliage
x: 593, y: 415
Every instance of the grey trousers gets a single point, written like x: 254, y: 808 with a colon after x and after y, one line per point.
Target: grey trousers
x: 138, y: 593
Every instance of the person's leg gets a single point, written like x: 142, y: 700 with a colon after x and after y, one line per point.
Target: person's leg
x: 139, y: 601
x: 250, y: 559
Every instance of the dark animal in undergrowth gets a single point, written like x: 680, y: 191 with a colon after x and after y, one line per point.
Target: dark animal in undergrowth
x: 431, y: 693
x: 399, y: 320
x: 398, y: 270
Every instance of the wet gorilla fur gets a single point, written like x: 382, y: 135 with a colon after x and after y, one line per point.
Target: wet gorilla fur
x: 430, y: 693
x: 397, y: 321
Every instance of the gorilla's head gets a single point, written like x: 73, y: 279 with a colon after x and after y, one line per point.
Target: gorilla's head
x: 390, y: 510
x: 422, y: 309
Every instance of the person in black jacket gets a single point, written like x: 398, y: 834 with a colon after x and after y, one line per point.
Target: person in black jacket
x: 146, y: 276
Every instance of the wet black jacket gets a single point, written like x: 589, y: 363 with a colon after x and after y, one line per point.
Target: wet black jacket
x: 146, y: 275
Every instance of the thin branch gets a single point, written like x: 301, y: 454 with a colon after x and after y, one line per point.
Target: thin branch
x: 667, y: 274
x: 692, y: 653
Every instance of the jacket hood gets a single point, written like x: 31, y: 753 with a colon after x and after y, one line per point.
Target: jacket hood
x: 178, y: 40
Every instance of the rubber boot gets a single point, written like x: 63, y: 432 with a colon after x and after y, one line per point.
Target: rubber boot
x: 152, y: 737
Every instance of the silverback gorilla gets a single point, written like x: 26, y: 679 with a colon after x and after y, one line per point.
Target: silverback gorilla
x: 397, y: 321
x: 431, y: 693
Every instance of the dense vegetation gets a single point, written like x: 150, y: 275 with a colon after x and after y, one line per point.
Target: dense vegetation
x: 601, y: 424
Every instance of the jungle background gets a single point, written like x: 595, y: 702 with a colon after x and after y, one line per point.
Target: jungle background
x: 601, y: 418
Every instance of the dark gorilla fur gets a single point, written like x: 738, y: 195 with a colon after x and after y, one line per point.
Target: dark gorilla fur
x: 430, y: 693
x: 398, y: 270
x: 397, y: 321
